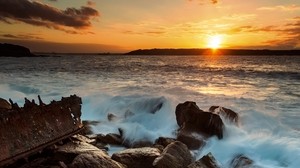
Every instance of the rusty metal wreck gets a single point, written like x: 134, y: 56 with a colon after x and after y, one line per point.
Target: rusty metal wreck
x: 29, y: 129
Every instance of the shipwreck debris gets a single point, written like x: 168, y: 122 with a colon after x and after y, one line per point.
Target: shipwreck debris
x: 26, y: 130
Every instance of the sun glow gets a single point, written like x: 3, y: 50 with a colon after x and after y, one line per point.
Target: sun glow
x: 214, y: 41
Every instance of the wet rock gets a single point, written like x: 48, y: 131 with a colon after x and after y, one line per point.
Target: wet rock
x: 139, y: 144
x: 192, y: 140
x: 241, y: 161
x: 182, y: 108
x: 192, y: 119
x: 227, y: 113
x: 137, y: 157
x: 175, y: 155
x: 164, y: 141
x: 82, y: 154
x: 111, y: 117
x: 207, y: 161
x: 4, y: 104
x: 93, y: 160
x: 111, y: 138
x: 156, y: 108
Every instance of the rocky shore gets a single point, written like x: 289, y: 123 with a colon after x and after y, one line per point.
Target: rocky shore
x: 88, y: 150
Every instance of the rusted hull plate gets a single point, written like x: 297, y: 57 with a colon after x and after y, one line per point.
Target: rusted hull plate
x: 33, y: 127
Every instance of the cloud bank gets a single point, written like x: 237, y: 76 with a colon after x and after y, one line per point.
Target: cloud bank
x: 39, y: 14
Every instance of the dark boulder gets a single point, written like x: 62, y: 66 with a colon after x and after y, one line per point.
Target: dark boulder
x: 192, y: 140
x: 241, y: 161
x: 139, y: 144
x: 207, y: 161
x: 192, y: 119
x: 111, y: 138
x: 175, y: 155
x: 164, y: 141
x: 111, y: 117
x: 227, y: 113
x: 182, y: 108
x: 137, y: 157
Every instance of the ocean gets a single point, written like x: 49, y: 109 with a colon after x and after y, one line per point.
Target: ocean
x: 263, y: 90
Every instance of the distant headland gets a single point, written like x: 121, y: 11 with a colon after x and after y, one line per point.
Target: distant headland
x: 211, y: 51
x: 11, y: 50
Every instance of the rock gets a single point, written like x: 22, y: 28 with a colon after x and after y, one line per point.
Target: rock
x: 175, y: 155
x: 4, y: 104
x: 207, y: 161
x: 192, y: 119
x: 241, y: 161
x: 111, y: 117
x: 159, y: 147
x: 164, y: 141
x: 82, y: 138
x: 92, y: 160
x: 139, y: 144
x: 110, y: 138
x: 133, y: 144
x: 69, y: 151
x: 192, y: 140
x: 82, y: 154
x: 137, y: 158
x: 181, y: 108
x: 227, y: 113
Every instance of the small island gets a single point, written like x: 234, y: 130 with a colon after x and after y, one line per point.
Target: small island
x: 11, y: 50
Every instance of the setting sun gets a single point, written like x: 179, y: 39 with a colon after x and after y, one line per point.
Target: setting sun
x: 214, y: 42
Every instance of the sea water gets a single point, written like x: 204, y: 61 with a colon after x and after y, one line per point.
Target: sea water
x: 263, y: 90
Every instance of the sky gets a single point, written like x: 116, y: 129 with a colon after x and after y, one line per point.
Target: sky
x: 125, y: 25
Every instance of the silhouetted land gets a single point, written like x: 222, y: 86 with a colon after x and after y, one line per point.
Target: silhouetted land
x: 210, y: 52
x: 11, y: 50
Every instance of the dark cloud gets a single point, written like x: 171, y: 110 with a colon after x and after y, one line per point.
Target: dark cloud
x: 156, y: 32
x: 21, y: 36
x: 39, y: 14
x: 212, y: 1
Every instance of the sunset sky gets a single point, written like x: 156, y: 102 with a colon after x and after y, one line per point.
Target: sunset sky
x: 124, y: 25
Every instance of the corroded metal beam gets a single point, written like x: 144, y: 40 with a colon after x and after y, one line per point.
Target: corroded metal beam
x: 28, y: 129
